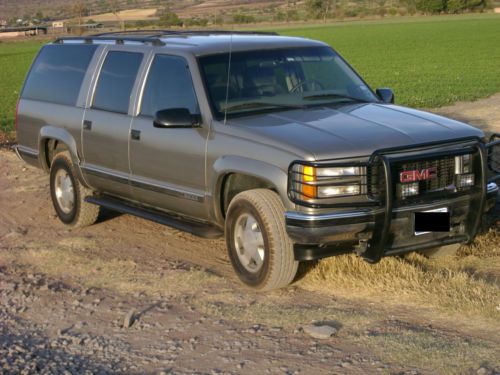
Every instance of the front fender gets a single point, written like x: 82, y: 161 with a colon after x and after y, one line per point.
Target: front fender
x: 271, y: 174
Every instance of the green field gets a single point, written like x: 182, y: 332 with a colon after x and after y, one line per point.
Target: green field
x: 429, y: 62
x: 15, y: 60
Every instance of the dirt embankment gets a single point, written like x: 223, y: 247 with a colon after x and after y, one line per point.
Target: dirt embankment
x: 127, y: 295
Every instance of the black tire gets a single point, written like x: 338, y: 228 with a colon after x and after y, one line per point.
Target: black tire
x: 279, y: 266
x: 441, y: 251
x: 81, y: 213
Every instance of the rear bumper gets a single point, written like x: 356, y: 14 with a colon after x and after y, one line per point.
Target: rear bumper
x: 323, y: 235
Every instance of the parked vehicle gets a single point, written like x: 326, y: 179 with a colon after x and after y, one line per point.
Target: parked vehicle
x: 274, y: 141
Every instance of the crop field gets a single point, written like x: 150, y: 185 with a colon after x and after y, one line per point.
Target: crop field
x: 429, y: 63
x: 15, y: 60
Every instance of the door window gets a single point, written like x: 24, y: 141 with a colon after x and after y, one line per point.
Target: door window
x: 116, y: 81
x: 168, y: 85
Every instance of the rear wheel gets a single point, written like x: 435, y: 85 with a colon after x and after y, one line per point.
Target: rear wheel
x: 441, y: 251
x: 259, y: 247
x: 68, y: 194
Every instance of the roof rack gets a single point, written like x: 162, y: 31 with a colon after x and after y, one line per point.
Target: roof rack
x: 152, y: 36
x: 118, y: 40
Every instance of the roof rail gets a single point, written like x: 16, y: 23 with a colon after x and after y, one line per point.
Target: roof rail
x: 152, y: 36
x: 117, y: 39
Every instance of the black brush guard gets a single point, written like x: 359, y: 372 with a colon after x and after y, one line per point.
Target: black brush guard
x: 489, y: 165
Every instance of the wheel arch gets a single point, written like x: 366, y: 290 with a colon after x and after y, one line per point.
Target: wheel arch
x: 52, y: 138
x: 234, y: 174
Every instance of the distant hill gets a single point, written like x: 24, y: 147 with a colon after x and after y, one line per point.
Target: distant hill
x: 62, y: 9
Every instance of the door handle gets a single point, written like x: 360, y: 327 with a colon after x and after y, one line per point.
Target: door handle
x: 87, y: 125
x: 135, y: 134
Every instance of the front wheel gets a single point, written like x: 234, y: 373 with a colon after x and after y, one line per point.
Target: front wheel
x: 259, y: 247
x: 68, y: 194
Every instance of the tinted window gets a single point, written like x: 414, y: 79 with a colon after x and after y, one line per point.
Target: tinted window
x: 57, y: 74
x: 116, y: 81
x: 169, y: 85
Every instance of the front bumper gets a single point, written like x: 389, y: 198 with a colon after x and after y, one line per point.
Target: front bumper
x: 315, y: 234
x: 388, y: 229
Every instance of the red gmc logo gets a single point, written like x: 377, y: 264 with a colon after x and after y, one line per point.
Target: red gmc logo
x: 424, y: 174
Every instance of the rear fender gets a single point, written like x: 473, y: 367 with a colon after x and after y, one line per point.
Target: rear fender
x: 63, y: 136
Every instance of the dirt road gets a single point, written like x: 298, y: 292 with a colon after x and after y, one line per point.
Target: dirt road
x: 127, y: 295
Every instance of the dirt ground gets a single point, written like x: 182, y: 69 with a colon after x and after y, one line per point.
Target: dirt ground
x: 130, y: 296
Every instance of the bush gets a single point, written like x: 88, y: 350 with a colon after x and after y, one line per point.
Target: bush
x: 393, y: 11
x: 280, y: 16
x: 195, y: 22
x: 431, y: 6
x: 351, y: 12
x: 243, y: 18
x: 169, y: 19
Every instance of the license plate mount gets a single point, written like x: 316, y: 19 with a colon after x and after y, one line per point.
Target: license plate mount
x: 437, y: 220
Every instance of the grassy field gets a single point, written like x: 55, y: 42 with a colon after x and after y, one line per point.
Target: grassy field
x: 15, y: 60
x: 429, y: 62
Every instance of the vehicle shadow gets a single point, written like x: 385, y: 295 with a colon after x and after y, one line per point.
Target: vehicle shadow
x: 106, y: 214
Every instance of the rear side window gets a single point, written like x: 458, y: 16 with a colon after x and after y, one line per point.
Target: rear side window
x: 169, y: 85
x: 116, y: 81
x: 57, y: 74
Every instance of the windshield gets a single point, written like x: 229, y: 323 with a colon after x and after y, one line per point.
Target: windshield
x: 280, y: 79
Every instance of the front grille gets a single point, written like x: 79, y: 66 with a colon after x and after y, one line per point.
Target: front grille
x: 443, y: 182
x: 445, y: 176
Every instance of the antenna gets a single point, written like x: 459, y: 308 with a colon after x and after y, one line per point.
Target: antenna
x: 228, y: 75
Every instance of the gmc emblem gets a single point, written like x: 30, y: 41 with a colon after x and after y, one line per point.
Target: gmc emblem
x: 413, y: 176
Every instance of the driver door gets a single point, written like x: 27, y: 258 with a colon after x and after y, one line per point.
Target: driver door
x: 168, y: 164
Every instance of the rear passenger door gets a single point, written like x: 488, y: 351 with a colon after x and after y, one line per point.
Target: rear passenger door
x: 168, y: 164
x: 106, y: 125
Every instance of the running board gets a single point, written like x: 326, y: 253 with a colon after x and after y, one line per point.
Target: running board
x: 193, y: 227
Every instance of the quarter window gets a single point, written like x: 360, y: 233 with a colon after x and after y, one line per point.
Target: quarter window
x: 58, y: 72
x: 169, y: 85
x: 116, y: 81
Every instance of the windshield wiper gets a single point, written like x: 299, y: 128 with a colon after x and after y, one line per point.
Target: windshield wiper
x: 249, y: 105
x: 326, y: 96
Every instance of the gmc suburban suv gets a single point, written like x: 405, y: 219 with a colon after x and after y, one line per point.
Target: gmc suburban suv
x: 273, y: 141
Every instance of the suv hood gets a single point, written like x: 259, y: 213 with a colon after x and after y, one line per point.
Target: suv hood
x: 351, y: 130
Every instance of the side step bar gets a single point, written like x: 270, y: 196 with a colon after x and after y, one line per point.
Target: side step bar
x: 193, y: 227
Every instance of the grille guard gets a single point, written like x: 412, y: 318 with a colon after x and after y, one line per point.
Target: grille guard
x: 376, y: 247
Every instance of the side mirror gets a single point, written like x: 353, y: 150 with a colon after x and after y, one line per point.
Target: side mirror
x: 176, y: 118
x: 386, y: 95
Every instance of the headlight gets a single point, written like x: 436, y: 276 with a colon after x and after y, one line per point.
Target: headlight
x: 463, y: 167
x: 463, y: 164
x: 315, y: 182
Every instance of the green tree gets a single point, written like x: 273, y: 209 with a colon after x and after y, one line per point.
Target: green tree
x: 431, y: 6
x: 169, y: 19
x: 319, y: 8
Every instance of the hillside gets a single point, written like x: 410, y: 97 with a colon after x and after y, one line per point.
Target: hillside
x: 138, y: 9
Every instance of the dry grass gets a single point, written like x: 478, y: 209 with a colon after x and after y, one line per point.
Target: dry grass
x: 467, y: 284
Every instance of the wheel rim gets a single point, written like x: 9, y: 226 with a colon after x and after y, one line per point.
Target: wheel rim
x: 249, y: 243
x: 64, y: 190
